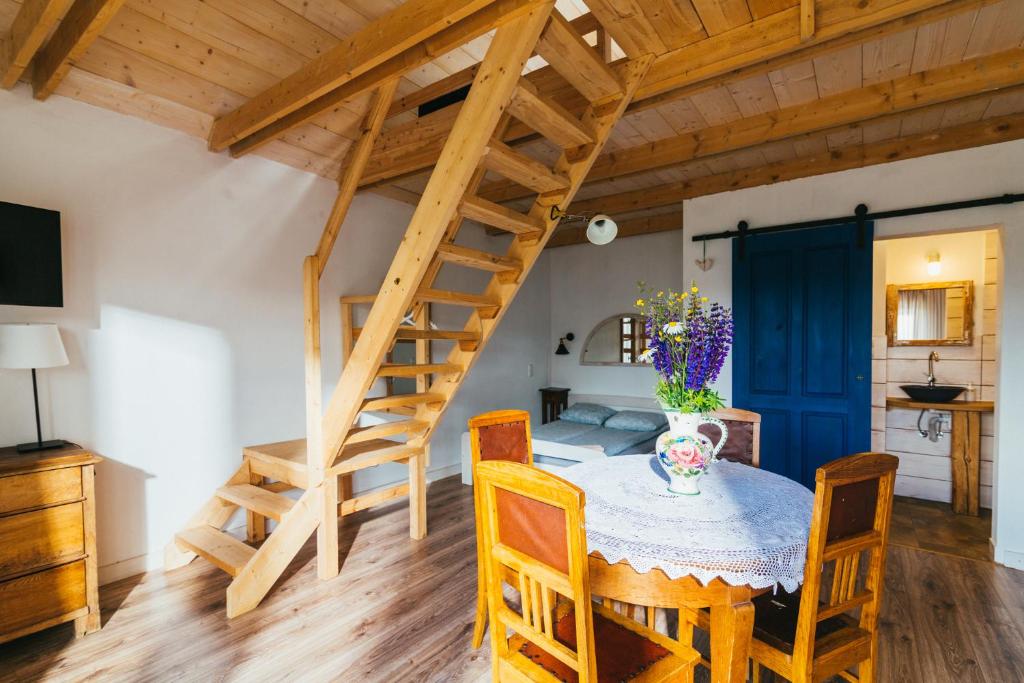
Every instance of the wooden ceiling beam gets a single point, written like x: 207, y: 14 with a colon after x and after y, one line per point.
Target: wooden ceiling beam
x: 84, y: 22
x: 808, y: 52
x: 771, y: 36
x: 31, y: 25
x: 390, y: 163
x: 631, y: 227
x: 410, y: 26
x: 986, y: 132
x: 942, y: 84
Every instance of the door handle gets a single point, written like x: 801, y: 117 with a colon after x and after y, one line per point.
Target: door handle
x: 860, y: 378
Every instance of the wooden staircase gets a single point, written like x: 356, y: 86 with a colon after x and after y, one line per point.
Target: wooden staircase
x: 335, y: 444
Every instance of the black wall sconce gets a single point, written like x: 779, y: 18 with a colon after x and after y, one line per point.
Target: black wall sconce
x: 562, y: 350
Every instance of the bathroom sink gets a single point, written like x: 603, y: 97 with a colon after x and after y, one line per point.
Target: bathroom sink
x: 940, y: 393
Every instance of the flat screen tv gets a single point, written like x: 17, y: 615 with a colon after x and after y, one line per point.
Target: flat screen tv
x: 30, y: 266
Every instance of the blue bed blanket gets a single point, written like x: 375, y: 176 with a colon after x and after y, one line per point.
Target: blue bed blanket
x: 613, y: 441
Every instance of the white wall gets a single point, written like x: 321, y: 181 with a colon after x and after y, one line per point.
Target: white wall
x: 966, y: 174
x: 183, y: 311
x: 589, y: 284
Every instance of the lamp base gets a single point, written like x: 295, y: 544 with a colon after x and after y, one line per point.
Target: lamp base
x: 33, y: 446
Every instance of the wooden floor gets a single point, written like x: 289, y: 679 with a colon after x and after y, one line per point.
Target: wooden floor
x: 933, y: 526
x: 402, y: 611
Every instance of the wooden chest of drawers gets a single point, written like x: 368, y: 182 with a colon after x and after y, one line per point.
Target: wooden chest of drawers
x: 47, y: 541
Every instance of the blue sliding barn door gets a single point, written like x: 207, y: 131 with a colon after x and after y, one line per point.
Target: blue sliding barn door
x: 802, y: 356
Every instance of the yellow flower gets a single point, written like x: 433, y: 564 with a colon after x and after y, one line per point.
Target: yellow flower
x: 694, y: 289
x: 684, y: 295
x: 679, y: 339
x: 703, y: 298
x: 640, y: 303
x: 661, y: 294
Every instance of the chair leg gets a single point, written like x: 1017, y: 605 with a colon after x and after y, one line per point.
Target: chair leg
x: 685, y: 628
x: 480, y: 625
x: 755, y: 675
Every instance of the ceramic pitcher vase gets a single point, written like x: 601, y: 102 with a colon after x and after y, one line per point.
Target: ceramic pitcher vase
x: 684, y: 453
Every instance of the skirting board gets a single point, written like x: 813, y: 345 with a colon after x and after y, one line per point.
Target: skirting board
x: 154, y: 560
x: 1010, y: 558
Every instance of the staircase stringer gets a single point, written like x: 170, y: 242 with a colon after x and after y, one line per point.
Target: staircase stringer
x: 215, y: 513
x: 488, y: 98
x: 601, y: 117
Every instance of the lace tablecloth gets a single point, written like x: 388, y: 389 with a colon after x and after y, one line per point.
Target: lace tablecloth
x: 747, y: 526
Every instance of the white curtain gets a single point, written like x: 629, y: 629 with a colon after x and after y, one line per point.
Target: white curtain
x: 921, y: 314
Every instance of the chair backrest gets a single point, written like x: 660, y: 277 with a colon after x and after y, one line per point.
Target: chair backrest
x: 531, y: 522
x: 501, y: 435
x: 744, y: 442
x: 852, y: 509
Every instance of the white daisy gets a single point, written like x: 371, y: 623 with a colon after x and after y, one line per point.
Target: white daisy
x: 674, y: 327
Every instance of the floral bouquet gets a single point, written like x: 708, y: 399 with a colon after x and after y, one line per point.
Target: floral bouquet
x: 688, y: 341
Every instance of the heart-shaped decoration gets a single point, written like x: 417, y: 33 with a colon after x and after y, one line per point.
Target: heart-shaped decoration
x: 705, y: 263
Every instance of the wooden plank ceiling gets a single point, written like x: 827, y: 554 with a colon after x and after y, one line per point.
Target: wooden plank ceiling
x: 736, y: 97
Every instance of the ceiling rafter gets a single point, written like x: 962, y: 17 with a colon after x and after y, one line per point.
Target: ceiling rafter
x: 939, y: 85
x: 83, y: 24
x: 34, y: 21
x: 986, y: 132
x: 411, y: 35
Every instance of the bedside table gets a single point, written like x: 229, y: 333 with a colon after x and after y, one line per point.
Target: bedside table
x: 48, y: 569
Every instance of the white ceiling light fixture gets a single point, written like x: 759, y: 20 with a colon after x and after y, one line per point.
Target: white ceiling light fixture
x: 601, y: 229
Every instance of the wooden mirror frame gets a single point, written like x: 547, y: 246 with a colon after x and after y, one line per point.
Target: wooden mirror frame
x: 593, y: 331
x: 892, y: 309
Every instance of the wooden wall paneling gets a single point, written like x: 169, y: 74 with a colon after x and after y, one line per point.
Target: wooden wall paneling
x: 717, y: 106
x: 31, y: 25
x: 840, y: 71
x: 959, y: 113
x: 337, y: 18
x: 762, y: 8
x: 83, y: 23
x: 274, y: 19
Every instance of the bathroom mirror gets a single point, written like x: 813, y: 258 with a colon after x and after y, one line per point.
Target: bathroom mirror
x: 930, y: 314
x: 618, y: 340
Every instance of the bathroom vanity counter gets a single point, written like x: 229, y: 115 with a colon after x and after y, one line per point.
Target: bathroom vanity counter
x: 965, y: 446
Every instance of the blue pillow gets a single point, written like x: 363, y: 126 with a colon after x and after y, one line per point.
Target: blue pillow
x: 636, y: 421
x: 586, y: 414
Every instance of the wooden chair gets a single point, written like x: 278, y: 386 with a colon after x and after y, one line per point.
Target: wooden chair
x: 532, y: 524
x: 809, y: 635
x: 744, y: 443
x: 498, y: 435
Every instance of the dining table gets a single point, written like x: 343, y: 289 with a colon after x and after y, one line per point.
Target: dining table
x: 743, y: 535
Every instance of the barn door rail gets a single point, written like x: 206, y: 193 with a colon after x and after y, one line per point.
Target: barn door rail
x: 860, y: 216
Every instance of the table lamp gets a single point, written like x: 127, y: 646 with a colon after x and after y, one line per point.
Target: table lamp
x: 27, y: 346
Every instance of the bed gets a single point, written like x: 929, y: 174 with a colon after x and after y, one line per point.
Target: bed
x: 563, y: 443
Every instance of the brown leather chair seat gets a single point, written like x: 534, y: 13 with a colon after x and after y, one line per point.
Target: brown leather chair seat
x: 621, y: 654
x: 775, y: 619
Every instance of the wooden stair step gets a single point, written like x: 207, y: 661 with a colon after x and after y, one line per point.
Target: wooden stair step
x: 547, y: 117
x: 282, y: 460
x: 217, y: 547
x: 444, y: 296
x: 481, y: 260
x: 401, y: 400
x: 361, y: 455
x: 568, y: 54
x: 413, y: 370
x: 385, y: 429
x: 501, y: 217
x: 437, y: 335
x: 256, y: 499
x: 521, y: 169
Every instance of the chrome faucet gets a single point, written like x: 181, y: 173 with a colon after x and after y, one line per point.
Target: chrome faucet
x: 933, y: 358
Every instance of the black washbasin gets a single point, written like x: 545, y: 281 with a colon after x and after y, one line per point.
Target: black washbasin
x: 940, y: 393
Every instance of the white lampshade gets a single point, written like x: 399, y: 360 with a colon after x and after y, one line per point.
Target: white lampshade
x: 601, y: 229
x: 31, y: 345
